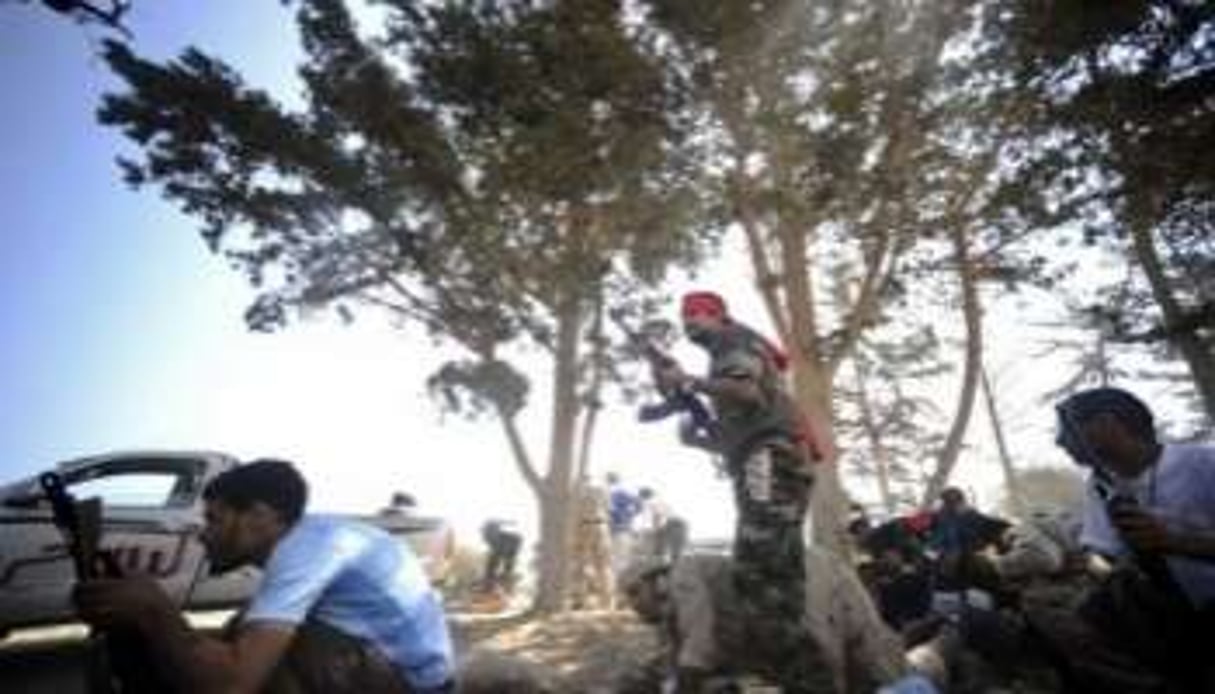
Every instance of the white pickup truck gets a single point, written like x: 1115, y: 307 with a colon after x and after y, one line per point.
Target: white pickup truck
x: 152, y: 512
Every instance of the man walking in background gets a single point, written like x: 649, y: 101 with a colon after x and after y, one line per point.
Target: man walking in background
x: 502, y: 541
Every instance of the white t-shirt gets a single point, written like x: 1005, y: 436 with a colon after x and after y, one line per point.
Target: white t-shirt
x: 1180, y: 491
x: 654, y: 514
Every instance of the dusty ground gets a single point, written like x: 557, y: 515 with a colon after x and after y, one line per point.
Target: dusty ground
x: 581, y: 652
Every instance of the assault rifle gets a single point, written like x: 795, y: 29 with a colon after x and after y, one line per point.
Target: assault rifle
x: 117, y: 657
x: 701, y: 426
x: 1152, y: 564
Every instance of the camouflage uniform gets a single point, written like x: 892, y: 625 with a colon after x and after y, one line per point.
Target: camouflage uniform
x: 767, y: 460
x: 592, y: 556
x: 858, y: 651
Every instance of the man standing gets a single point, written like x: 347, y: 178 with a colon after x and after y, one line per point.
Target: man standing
x: 502, y: 542
x: 663, y: 534
x: 594, y: 579
x: 764, y: 442
x: 623, y: 507
x: 342, y: 606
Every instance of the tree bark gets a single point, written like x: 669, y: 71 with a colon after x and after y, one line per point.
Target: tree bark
x: 812, y: 389
x: 881, y: 456
x: 590, y: 399
x: 1011, y: 483
x: 1197, y: 356
x: 557, y: 501
x: 972, y: 314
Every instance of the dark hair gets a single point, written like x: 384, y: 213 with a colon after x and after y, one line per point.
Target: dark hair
x: 1121, y: 404
x: 952, y: 491
x: 275, y: 483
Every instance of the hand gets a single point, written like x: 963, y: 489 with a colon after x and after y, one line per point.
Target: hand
x: 1141, y: 530
x: 128, y: 601
x: 671, y: 377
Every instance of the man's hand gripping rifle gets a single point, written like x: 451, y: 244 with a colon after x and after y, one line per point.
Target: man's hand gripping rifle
x: 700, y: 428
x: 118, y: 656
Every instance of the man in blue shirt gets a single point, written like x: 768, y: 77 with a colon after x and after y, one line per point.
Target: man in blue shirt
x: 623, y: 506
x: 957, y: 535
x: 622, y: 509
x: 342, y: 607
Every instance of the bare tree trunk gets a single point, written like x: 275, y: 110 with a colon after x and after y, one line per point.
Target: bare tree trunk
x: 1016, y: 501
x: 1198, y: 356
x: 881, y: 456
x: 591, y: 397
x: 812, y: 388
x: 972, y: 314
x: 557, y: 501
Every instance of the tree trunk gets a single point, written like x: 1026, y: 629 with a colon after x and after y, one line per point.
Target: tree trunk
x: 812, y: 388
x: 972, y: 314
x: 556, y: 503
x: 1198, y: 356
x: 594, y: 390
x: 881, y: 456
x: 1016, y: 501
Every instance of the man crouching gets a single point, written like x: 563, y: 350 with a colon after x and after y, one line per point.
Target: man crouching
x: 694, y: 605
x: 342, y: 606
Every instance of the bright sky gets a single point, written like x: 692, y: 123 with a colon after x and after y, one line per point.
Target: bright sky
x: 122, y: 332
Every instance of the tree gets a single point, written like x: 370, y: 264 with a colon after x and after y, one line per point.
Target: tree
x: 107, y: 13
x: 887, y: 424
x: 476, y: 170
x: 1135, y: 81
x: 1012, y: 484
x: 876, y: 156
x: 813, y: 115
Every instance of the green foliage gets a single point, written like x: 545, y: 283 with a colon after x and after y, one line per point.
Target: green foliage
x: 472, y: 387
x: 476, y: 169
x: 1134, y: 84
x: 883, y: 403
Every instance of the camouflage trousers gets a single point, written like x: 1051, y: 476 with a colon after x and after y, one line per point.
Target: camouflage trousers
x: 772, y: 492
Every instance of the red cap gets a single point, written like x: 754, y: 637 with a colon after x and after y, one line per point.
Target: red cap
x: 703, y: 303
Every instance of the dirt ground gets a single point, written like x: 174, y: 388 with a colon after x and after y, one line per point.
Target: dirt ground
x: 576, y: 652
x: 579, y: 652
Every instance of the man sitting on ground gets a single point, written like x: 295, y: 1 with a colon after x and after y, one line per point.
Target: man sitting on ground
x: 342, y: 606
x: 1151, y: 508
x: 959, y: 533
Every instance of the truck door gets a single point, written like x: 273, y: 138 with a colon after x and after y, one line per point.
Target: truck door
x: 150, y: 523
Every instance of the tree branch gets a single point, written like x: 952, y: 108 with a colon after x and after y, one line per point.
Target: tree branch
x: 519, y: 453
